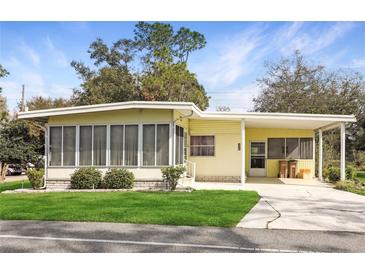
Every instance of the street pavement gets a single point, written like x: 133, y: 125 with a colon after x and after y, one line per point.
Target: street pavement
x: 46, y: 236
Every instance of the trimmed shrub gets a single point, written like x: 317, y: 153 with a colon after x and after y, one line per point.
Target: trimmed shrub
x: 333, y: 174
x: 35, y: 177
x: 86, y: 178
x: 350, y: 172
x: 325, y: 173
x: 118, y: 178
x: 171, y: 175
x: 347, y: 185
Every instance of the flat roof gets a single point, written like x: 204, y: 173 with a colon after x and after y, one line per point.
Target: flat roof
x: 252, y: 119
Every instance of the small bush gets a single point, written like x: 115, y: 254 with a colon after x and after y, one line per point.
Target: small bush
x: 325, y: 173
x: 171, y: 175
x: 118, y: 178
x: 35, y: 177
x: 86, y: 178
x: 350, y: 172
x: 333, y: 174
x: 347, y: 185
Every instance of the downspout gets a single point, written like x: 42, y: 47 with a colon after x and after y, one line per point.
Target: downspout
x: 186, y: 116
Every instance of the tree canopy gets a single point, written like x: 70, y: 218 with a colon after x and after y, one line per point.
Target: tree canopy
x: 18, y: 145
x: 152, y: 66
x: 294, y: 85
x: 3, y: 106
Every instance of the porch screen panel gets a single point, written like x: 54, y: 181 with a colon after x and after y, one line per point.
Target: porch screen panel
x: 55, y: 146
x: 162, y: 146
x: 116, y: 145
x: 69, y: 145
x: 99, y: 148
x: 306, y: 148
x: 292, y: 148
x: 276, y: 148
x: 179, y: 145
x: 85, y: 145
x: 131, y: 145
x: 148, y: 145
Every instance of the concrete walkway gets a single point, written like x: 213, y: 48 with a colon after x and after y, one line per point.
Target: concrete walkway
x: 299, y: 206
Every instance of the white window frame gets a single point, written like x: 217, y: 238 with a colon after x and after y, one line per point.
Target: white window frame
x: 285, y: 152
x: 155, y: 150
x: 107, y: 150
x: 48, y: 146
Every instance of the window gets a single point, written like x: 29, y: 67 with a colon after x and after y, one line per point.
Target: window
x: 131, y: 145
x: 149, y: 139
x: 85, y: 158
x: 55, y: 146
x: 99, y: 146
x: 306, y: 148
x: 276, y: 148
x: 69, y: 145
x: 162, y: 152
x: 179, y: 145
x: 116, y: 145
x: 62, y: 146
x: 202, y: 146
x: 290, y: 148
x: 155, y: 145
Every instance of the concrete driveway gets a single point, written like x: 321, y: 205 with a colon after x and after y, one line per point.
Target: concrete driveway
x: 313, y: 206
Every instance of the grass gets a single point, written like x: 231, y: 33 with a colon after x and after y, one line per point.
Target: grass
x: 361, y: 176
x: 14, y: 185
x: 197, y: 208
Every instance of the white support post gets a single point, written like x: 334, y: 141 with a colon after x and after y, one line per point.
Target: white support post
x: 343, y: 151
x: 320, y: 154
x: 243, y: 149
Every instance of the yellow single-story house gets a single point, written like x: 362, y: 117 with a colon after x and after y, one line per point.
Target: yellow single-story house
x: 215, y: 146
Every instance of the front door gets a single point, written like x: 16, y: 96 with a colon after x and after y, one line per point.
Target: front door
x: 258, y: 159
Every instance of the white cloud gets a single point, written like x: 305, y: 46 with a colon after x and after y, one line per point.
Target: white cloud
x: 313, y: 41
x: 232, y: 59
x: 56, y: 54
x: 239, y: 99
x: 358, y: 63
x: 30, y: 53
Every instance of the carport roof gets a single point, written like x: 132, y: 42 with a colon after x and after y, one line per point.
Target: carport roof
x: 252, y: 119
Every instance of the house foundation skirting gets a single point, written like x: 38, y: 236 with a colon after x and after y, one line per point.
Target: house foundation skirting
x: 220, y: 179
x: 66, y: 184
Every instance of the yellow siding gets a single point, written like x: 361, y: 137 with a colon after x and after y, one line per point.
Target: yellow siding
x: 117, y: 116
x: 183, y: 122
x: 227, y: 161
x: 262, y: 134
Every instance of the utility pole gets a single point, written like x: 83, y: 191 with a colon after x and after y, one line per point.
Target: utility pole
x: 23, y: 102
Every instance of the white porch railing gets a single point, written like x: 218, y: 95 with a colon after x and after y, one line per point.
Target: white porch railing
x: 190, y: 169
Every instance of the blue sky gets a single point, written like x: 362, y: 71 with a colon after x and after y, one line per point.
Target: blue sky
x: 38, y: 54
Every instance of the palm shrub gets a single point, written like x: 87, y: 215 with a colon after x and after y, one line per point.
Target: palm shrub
x: 171, y: 175
x: 35, y: 177
x: 350, y: 172
x: 333, y: 174
x: 118, y: 178
x: 86, y: 178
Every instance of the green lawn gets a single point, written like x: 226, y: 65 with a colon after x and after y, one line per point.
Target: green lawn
x: 14, y: 185
x: 197, y: 208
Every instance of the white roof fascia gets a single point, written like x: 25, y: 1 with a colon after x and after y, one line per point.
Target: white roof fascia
x: 185, y: 106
